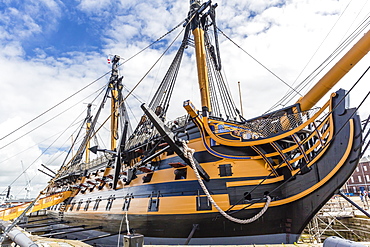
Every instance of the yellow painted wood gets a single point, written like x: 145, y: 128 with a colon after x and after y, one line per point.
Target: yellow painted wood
x: 200, y: 53
x: 227, y: 142
x: 114, y: 119
x: 255, y: 182
x: 14, y: 212
x: 345, y: 64
x: 187, y: 204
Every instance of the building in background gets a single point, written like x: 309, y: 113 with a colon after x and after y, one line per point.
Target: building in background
x: 360, y: 179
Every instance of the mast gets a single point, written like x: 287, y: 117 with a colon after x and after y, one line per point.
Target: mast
x: 8, y: 193
x: 345, y: 64
x: 114, y: 86
x: 240, y: 99
x: 88, y: 126
x: 200, y: 52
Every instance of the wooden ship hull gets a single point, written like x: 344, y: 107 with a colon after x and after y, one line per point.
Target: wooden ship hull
x: 166, y: 208
x: 203, y: 179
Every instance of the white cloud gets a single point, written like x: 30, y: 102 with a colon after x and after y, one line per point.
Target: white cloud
x: 94, y: 6
x: 23, y: 20
x: 281, y: 35
x: 12, y: 158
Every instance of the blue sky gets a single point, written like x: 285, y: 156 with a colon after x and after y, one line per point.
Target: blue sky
x: 54, y: 28
x: 49, y: 49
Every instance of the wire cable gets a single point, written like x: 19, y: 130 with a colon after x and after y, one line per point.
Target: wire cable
x: 232, y: 41
x: 49, y: 120
x: 88, y: 85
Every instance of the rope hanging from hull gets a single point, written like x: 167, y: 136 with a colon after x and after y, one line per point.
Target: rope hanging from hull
x: 189, y: 154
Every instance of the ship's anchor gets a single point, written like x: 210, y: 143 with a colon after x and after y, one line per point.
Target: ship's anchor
x: 189, y: 154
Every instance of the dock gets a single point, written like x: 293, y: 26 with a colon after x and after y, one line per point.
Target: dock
x: 337, y: 218
x: 54, y: 242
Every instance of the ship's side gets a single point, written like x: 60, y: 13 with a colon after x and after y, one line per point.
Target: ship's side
x: 265, y: 178
x: 210, y: 177
x: 300, y: 169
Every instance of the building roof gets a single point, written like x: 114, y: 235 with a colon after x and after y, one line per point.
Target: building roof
x: 365, y: 159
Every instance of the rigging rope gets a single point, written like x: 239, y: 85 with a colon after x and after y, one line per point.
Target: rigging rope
x: 22, y: 126
x: 164, y: 92
x: 37, y: 158
x: 154, y: 42
x: 297, y: 90
x: 322, y: 42
x: 221, y: 100
x: 88, y: 85
x: 46, y: 150
x: 303, y: 141
x: 347, y: 93
x: 232, y: 41
x: 161, y: 97
x: 189, y: 154
x: 44, y: 122
x: 69, y: 97
x: 289, y: 96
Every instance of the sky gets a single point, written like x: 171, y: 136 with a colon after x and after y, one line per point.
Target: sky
x: 51, y: 49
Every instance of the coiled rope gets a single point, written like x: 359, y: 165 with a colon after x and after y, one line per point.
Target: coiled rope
x: 189, y: 154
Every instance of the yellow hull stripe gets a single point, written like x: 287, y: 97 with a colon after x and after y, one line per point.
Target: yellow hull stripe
x: 254, y: 182
x: 187, y: 204
x: 14, y: 212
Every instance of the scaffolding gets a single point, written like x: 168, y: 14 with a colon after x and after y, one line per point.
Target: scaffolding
x: 337, y: 218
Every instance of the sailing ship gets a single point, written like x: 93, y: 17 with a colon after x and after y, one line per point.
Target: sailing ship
x: 211, y: 176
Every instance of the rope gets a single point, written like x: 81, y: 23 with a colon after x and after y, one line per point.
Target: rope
x: 189, y: 154
x: 270, y: 71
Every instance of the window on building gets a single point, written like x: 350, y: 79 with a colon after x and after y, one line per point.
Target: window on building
x: 365, y: 168
x: 359, y: 179
x: 367, y: 178
x: 352, y: 181
x: 357, y: 170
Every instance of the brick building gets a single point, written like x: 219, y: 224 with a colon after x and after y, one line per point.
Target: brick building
x: 360, y: 179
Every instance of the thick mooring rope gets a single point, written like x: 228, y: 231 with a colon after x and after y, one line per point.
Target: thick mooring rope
x: 189, y: 154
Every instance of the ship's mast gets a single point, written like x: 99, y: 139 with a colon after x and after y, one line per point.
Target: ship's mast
x: 114, y: 84
x: 88, y: 126
x: 200, y: 51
